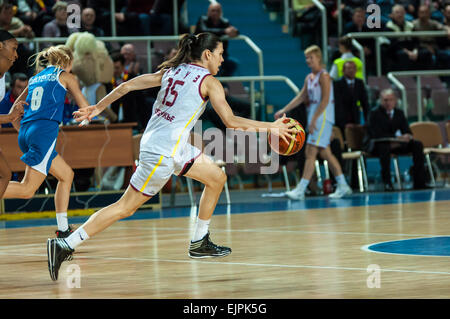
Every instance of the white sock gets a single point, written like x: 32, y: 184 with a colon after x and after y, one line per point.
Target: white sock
x: 76, y: 238
x: 201, y: 229
x: 301, y: 187
x: 61, y: 219
x: 341, y: 180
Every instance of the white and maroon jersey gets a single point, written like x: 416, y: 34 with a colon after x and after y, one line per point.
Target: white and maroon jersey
x: 2, y: 87
x: 315, y: 96
x: 176, y: 110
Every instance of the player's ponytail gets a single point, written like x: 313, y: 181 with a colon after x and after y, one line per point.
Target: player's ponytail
x: 190, y: 49
x: 60, y: 56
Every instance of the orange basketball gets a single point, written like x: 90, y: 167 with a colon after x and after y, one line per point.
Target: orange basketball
x: 295, y: 143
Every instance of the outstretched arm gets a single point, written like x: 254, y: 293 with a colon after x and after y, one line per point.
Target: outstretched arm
x: 141, y: 82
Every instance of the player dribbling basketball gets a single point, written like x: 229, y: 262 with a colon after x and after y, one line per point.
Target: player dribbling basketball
x: 186, y: 85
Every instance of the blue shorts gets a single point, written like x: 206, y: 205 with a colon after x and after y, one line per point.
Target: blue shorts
x: 321, y: 136
x: 37, y: 141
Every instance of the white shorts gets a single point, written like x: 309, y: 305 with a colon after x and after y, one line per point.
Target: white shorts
x: 321, y: 136
x: 154, y: 170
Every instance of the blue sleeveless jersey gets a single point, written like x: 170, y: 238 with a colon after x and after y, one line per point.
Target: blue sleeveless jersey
x: 45, y: 97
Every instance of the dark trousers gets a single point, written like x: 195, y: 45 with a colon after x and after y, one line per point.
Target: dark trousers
x: 383, y: 151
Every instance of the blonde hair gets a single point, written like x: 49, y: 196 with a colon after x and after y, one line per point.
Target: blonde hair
x: 60, y: 56
x: 314, y: 49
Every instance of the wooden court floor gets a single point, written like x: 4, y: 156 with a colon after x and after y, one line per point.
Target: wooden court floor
x: 279, y: 254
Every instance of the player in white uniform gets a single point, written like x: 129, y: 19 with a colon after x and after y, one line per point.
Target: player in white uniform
x: 186, y: 85
x: 8, y: 54
x: 317, y: 93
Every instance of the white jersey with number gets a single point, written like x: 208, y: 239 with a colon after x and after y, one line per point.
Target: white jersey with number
x: 315, y: 96
x: 2, y: 87
x: 176, y: 110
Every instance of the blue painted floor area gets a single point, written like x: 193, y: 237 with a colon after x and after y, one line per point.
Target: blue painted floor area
x: 258, y: 204
x: 433, y: 246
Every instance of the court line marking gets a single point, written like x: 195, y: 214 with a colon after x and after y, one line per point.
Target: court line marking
x: 238, y: 264
x: 7, y: 247
x: 366, y: 247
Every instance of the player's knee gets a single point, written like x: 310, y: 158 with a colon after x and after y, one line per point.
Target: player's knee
x: 219, y: 179
x: 28, y: 193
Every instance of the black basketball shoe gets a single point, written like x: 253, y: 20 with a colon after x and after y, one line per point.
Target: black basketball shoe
x: 57, y: 252
x: 64, y: 234
x: 205, y: 248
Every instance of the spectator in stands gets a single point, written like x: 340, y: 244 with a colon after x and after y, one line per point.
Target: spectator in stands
x: 387, y: 121
x: 19, y: 82
x: 18, y: 29
x: 132, y: 66
x: 443, y: 54
x: 142, y: 8
x: 127, y: 22
x: 161, y: 18
x: 58, y: 26
x: 358, y: 24
x: 347, y: 7
x: 128, y: 107
x: 88, y: 23
x: 424, y: 23
x: 345, y: 48
x: 11, y: 23
x: 405, y: 52
x: 214, y: 22
x: 410, y: 8
x: 35, y: 14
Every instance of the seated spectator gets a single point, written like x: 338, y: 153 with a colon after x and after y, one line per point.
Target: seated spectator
x: 387, y: 121
x: 127, y: 23
x: 58, y: 26
x: 142, y: 8
x: 347, y: 7
x: 443, y: 53
x: 405, y: 52
x: 424, y: 23
x: 126, y: 108
x: 88, y: 23
x: 18, y: 29
x: 11, y: 23
x: 161, y: 18
x: 410, y: 8
x: 19, y: 82
x: 214, y: 22
x: 359, y: 24
x: 132, y: 66
x: 35, y: 14
x: 345, y: 48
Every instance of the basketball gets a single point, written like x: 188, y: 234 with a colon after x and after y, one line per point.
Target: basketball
x: 296, y: 142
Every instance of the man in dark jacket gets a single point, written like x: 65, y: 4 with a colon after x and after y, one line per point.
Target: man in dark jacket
x: 214, y: 22
x: 350, y: 98
x: 386, y: 121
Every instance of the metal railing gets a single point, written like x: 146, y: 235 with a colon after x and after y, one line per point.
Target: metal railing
x: 386, y: 34
x: 393, y: 77
x: 149, y: 39
x: 252, y: 80
x: 323, y: 11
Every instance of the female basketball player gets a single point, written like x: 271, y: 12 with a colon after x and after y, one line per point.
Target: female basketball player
x: 186, y: 86
x: 317, y: 91
x: 8, y: 54
x: 39, y: 129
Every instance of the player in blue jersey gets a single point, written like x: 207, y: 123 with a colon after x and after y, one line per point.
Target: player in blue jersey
x: 8, y: 55
x: 43, y: 101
